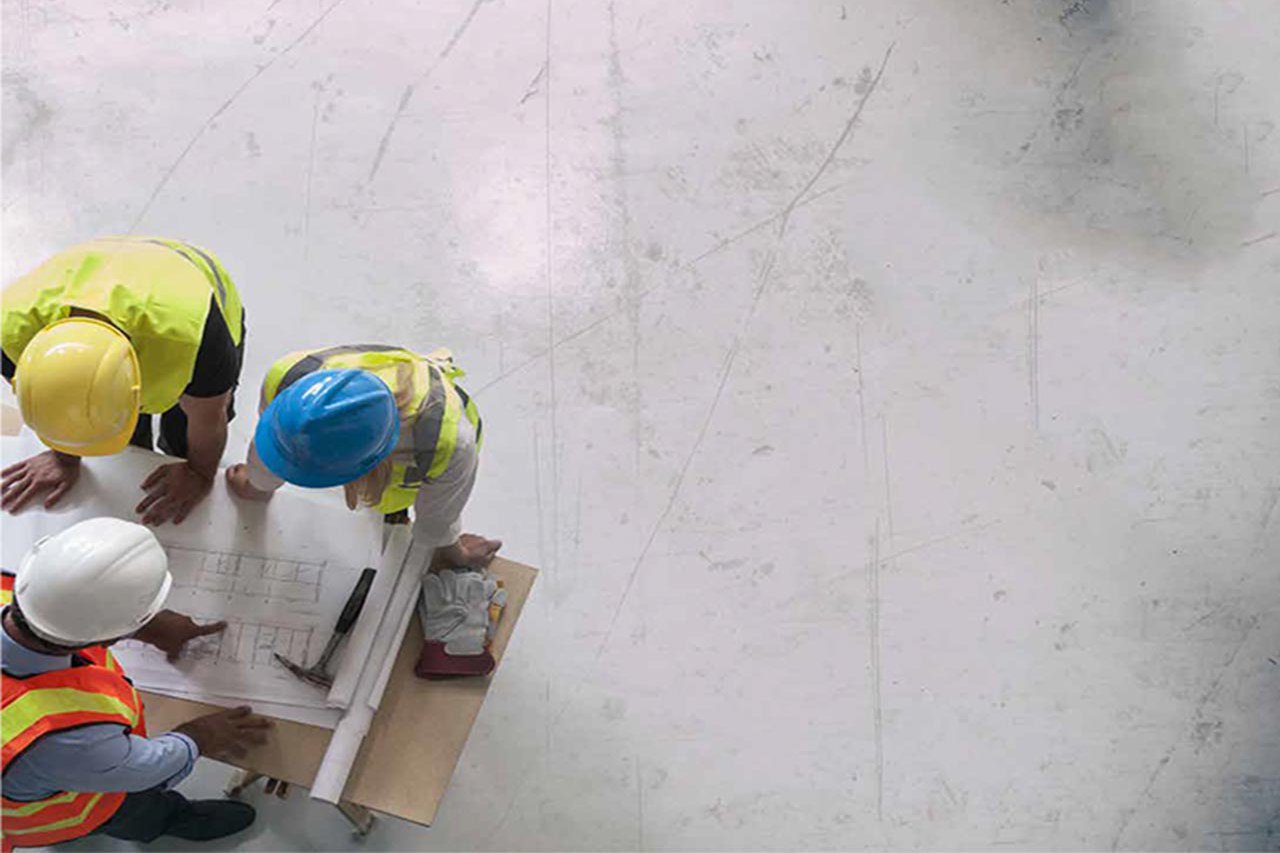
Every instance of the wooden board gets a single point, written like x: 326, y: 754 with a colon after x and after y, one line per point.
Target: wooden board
x: 417, y: 736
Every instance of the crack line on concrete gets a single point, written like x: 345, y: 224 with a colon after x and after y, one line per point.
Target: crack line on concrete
x: 551, y: 313
x: 1033, y: 351
x: 873, y: 655
x: 725, y: 369
x: 311, y: 162
x: 262, y: 69
x: 407, y: 95
x: 1158, y: 770
x: 785, y: 215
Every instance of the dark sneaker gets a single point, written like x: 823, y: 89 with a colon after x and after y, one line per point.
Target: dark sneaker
x: 206, y: 820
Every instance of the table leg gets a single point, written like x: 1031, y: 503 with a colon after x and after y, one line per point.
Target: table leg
x: 361, y: 819
x: 241, y: 780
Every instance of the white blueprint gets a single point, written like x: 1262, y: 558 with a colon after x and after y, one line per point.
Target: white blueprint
x: 278, y: 573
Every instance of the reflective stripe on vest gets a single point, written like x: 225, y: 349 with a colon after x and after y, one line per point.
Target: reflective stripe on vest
x: 428, y: 430
x: 59, y: 819
x: 156, y: 291
x: 472, y: 413
x: 313, y: 361
x: 93, y: 690
x: 432, y: 406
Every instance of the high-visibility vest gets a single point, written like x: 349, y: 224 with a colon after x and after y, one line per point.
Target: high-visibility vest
x: 92, y: 690
x: 432, y: 406
x: 156, y: 291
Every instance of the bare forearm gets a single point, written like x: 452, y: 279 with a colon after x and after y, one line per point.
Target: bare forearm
x: 175, y: 488
x: 206, y: 439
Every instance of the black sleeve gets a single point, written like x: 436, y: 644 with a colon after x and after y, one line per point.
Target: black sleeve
x: 218, y: 360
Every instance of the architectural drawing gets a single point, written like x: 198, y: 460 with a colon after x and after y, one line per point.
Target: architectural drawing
x: 252, y: 645
x: 239, y: 664
x: 278, y: 573
x: 275, y: 580
x: 272, y: 605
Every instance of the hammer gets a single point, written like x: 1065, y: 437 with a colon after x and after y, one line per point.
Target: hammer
x: 318, y: 673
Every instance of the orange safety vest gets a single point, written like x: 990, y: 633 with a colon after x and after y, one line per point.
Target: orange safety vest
x: 92, y: 690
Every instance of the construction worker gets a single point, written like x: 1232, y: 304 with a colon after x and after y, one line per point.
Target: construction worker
x: 77, y: 758
x: 104, y: 335
x: 388, y: 425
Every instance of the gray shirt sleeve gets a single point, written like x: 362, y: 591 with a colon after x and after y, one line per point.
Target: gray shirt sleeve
x: 437, y: 511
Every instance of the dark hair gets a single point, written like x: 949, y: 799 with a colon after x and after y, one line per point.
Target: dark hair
x: 25, y: 627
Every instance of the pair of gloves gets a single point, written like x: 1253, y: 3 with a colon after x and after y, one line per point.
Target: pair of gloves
x: 459, y: 609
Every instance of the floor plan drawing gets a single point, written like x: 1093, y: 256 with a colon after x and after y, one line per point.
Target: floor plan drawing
x: 278, y: 580
x: 272, y: 605
x: 253, y: 645
x: 278, y: 573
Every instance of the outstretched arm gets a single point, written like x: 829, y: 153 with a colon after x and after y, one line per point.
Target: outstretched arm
x: 174, y: 490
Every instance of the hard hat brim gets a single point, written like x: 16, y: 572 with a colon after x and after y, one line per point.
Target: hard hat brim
x: 106, y: 447
x: 274, y: 457
x: 349, y: 444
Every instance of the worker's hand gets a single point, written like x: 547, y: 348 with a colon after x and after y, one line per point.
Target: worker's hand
x: 50, y: 471
x: 169, y: 631
x: 238, y: 483
x: 470, y: 551
x: 172, y: 491
x: 227, y: 734
x: 477, y: 551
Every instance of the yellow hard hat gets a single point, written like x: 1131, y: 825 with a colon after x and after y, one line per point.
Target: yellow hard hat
x: 79, y: 388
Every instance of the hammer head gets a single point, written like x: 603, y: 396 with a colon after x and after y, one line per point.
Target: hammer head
x: 314, y: 674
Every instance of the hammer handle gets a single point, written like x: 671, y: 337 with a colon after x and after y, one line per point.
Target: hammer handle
x: 355, y: 603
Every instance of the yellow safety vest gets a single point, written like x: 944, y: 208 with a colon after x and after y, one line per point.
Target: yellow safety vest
x: 93, y: 690
x: 431, y: 404
x: 156, y: 291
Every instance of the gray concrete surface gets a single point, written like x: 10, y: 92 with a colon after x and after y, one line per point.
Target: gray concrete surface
x: 889, y: 390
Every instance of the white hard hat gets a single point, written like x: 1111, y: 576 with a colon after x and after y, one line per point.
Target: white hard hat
x: 98, y: 580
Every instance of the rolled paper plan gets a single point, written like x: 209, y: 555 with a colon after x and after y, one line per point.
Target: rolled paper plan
x: 355, y: 657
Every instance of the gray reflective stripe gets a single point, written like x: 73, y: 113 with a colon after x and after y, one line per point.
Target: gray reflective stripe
x: 426, y: 429
x: 213, y: 268
x: 217, y: 278
x: 304, y: 365
x: 315, y: 361
x: 466, y: 402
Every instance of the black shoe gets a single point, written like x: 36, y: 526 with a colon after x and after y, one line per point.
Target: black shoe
x: 206, y: 820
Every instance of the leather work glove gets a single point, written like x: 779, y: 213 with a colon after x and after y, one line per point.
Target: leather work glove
x: 459, y: 610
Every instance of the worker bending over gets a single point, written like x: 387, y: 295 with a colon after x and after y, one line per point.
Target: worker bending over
x: 388, y: 425
x: 104, y: 335
x: 76, y: 755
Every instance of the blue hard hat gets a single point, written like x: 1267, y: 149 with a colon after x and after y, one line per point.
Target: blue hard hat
x: 329, y: 428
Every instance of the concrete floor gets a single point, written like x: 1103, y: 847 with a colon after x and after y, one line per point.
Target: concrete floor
x: 888, y: 390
